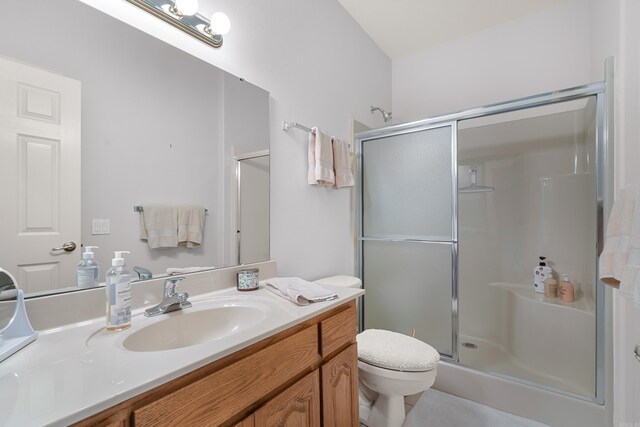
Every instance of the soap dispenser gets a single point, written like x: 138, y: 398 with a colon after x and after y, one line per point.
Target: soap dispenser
x: 567, y: 289
x: 540, y: 273
x: 118, y: 287
x: 87, y: 272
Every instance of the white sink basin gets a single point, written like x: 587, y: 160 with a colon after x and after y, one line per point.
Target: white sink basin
x: 204, y: 322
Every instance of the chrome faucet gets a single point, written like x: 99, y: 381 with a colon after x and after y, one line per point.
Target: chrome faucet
x: 171, y: 300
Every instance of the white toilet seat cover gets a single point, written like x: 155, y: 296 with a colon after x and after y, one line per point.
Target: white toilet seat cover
x: 391, y: 350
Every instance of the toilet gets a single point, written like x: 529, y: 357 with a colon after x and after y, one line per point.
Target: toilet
x: 390, y: 367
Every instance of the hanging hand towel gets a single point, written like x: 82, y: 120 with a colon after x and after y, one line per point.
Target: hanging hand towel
x: 342, y: 163
x: 190, y: 225
x: 620, y: 259
x: 159, y: 226
x: 298, y: 291
x: 320, y: 159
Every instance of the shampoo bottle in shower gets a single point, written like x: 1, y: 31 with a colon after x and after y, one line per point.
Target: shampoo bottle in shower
x: 567, y: 289
x: 540, y: 273
x: 87, y: 271
x: 118, y: 286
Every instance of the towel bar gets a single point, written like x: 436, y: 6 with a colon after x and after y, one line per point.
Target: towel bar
x: 139, y: 208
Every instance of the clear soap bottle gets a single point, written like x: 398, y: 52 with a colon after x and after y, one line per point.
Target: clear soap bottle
x: 88, y: 271
x: 118, y: 287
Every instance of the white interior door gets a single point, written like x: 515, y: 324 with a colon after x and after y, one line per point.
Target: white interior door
x: 40, y: 175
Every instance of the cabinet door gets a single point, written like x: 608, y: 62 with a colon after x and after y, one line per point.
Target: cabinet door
x: 247, y: 422
x: 297, y: 406
x: 340, y: 389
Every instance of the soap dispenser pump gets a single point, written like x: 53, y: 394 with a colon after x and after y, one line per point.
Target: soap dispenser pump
x: 118, y: 287
x: 88, y: 271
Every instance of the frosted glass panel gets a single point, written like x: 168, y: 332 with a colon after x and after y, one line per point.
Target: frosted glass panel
x: 406, y: 185
x: 408, y: 286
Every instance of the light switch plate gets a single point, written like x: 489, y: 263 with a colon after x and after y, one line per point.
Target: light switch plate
x: 99, y: 226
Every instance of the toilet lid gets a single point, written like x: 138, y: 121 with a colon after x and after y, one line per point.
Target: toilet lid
x: 391, y: 350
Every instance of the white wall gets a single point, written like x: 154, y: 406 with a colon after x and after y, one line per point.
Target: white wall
x: 545, y: 51
x: 321, y: 69
x: 615, y: 31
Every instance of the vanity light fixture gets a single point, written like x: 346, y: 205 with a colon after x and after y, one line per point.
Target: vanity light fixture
x: 183, y: 14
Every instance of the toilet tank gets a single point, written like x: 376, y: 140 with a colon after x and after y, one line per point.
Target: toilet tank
x: 344, y: 281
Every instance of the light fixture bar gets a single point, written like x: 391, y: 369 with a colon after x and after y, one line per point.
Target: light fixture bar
x: 194, y: 25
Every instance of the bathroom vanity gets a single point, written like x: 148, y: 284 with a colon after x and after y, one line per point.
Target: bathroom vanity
x: 298, y: 377
x: 234, y: 358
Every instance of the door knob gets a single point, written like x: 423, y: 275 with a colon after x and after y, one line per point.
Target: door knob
x: 66, y: 246
x: 636, y: 352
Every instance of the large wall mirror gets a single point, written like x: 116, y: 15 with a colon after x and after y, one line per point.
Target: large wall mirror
x: 119, y: 119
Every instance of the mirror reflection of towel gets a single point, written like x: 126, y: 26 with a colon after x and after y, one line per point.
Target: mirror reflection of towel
x: 190, y: 226
x: 170, y: 226
x: 159, y: 226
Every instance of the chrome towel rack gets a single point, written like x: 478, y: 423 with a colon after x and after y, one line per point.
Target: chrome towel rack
x: 139, y: 208
x: 286, y: 126
x: 290, y: 125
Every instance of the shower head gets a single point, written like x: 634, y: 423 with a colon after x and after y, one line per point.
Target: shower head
x: 474, y: 187
x: 386, y: 116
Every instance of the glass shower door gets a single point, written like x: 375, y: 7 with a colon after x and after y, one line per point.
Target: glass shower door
x: 408, y: 234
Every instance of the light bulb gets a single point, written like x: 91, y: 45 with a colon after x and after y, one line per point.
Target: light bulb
x: 186, y: 7
x: 220, y: 23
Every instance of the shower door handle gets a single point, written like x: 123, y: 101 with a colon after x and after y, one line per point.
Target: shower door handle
x: 636, y: 352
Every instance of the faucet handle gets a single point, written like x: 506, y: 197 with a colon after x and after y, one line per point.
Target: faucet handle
x: 171, y: 286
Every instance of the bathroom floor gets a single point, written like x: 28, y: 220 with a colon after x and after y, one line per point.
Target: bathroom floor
x: 435, y: 408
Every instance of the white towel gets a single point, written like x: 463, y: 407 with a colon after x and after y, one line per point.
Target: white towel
x: 620, y: 259
x: 298, y: 291
x: 320, y: 157
x: 159, y: 226
x: 342, y: 164
x: 190, y: 225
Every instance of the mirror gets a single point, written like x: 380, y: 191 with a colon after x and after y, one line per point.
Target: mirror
x: 15, y: 330
x: 8, y: 294
x: 151, y: 124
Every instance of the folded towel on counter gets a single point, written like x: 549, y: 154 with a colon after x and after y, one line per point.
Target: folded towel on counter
x: 320, y: 157
x: 174, y: 271
x: 342, y: 164
x: 620, y: 259
x: 159, y: 226
x: 190, y: 225
x: 298, y: 290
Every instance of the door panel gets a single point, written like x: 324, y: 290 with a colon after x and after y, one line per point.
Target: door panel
x: 406, y: 185
x: 40, y: 171
x: 409, y: 288
x: 408, y: 235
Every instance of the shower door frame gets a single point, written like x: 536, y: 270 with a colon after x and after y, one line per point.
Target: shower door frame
x: 603, y: 92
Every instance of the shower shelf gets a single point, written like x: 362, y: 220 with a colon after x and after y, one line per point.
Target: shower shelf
x: 582, y: 304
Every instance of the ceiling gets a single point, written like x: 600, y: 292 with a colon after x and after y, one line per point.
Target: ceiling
x: 402, y: 27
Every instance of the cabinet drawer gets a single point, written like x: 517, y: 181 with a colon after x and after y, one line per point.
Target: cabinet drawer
x: 217, y: 397
x: 338, y: 330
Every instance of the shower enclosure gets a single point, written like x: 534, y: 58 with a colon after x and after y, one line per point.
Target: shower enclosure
x: 453, y: 213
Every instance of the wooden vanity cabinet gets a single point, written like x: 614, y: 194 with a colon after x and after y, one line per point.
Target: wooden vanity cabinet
x: 304, y: 376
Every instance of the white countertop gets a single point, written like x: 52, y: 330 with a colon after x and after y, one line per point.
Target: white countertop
x: 75, y: 371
